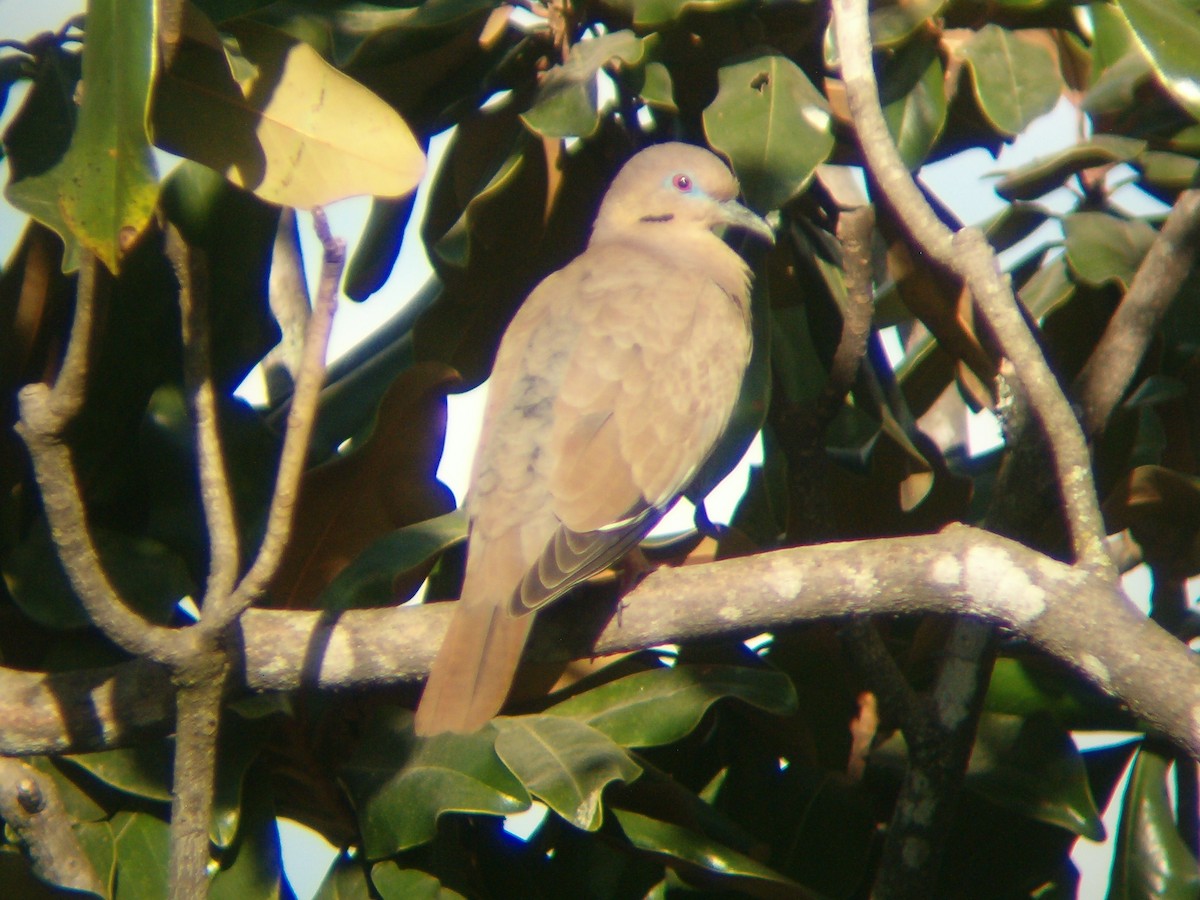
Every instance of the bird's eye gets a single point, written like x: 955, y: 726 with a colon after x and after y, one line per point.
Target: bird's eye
x: 682, y: 183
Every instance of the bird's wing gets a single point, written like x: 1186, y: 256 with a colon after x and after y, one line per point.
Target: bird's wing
x: 645, y: 393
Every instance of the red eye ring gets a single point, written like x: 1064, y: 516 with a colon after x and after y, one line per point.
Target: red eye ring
x: 682, y: 183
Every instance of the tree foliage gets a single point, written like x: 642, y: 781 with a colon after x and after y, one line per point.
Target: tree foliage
x: 790, y: 765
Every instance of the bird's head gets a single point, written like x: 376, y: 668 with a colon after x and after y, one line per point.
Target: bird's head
x: 674, y: 186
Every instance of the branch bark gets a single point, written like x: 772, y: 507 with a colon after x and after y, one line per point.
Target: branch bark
x: 46, y: 412
x: 1082, y: 620
x: 1112, y: 365
x: 30, y: 805
x: 967, y: 253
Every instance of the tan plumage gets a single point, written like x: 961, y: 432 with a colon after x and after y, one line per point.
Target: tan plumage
x: 610, y: 388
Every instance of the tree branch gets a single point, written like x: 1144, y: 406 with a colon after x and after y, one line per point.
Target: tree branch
x: 30, y: 804
x: 301, y: 416
x: 967, y: 253
x: 191, y: 272
x: 1081, y: 620
x: 201, y: 688
x: 46, y: 413
x: 1112, y: 365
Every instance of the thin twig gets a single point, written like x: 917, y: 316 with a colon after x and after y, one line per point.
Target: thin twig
x: 191, y: 272
x: 31, y: 807
x: 291, y: 305
x: 854, y: 230
x: 1112, y: 365
x: 861, y: 637
x: 870, y: 655
x: 46, y: 413
x: 969, y: 255
x: 299, y: 428
x: 170, y: 29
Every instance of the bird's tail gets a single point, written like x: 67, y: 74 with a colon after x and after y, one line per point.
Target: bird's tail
x: 474, y: 669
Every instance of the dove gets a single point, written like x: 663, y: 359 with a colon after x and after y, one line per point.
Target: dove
x: 610, y: 388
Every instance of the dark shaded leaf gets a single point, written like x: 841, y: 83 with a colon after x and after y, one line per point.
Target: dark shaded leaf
x: 698, y: 857
x: 352, y: 501
x: 566, y: 101
x: 914, y: 99
x: 1101, y: 247
x: 371, y: 579
x: 395, y: 883
x: 252, y: 867
x: 1033, y: 767
x: 656, y: 13
x: 377, y: 250
x: 149, y: 578
x: 1151, y: 860
x: 660, y: 706
x: 40, y: 132
x: 345, y: 880
x: 142, y: 844
x: 1041, y: 176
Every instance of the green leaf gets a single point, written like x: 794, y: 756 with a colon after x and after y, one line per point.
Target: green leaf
x: 395, y: 883
x: 1023, y: 688
x: 661, y: 706
x: 345, y: 880
x: 253, y: 866
x: 368, y: 580
x: 221, y: 10
x: 1151, y: 859
x: 1043, y: 175
x: 772, y: 125
x: 378, y: 248
x: 236, y: 232
x: 142, y: 843
x: 104, y: 189
x: 914, y: 98
x: 143, y: 770
x: 78, y: 802
x: 656, y: 89
x: 564, y: 763
x: 401, y: 784
x: 148, y: 577
x: 1049, y: 288
x: 1169, y: 171
x: 1168, y: 34
x: 39, y: 134
x: 1014, y: 223
x: 1102, y: 248
x: 566, y: 102
x: 651, y: 14
x: 893, y: 21
x: 1114, y: 90
x: 1032, y: 766
x: 100, y: 845
x: 295, y: 131
x: 693, y: 853
x: 1015, y: 80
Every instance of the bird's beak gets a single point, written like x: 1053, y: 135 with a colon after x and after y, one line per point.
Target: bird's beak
x: 733, y: 213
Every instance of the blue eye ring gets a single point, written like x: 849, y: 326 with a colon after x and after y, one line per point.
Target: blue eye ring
x: 682, y: 183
